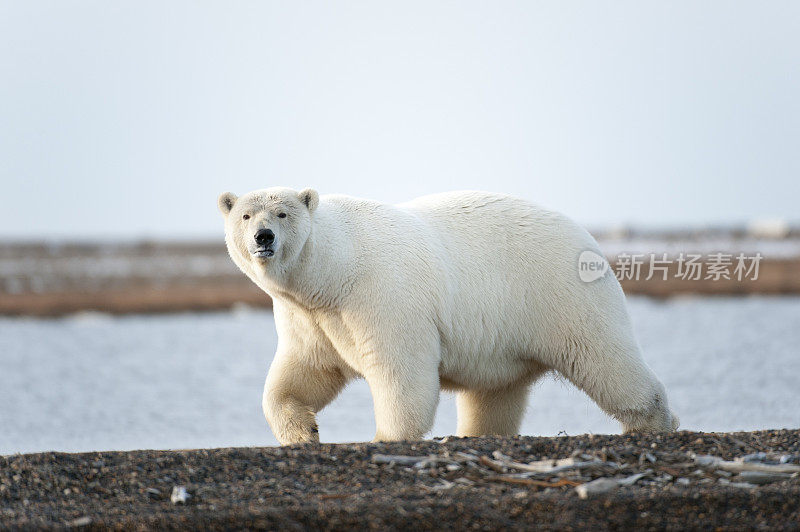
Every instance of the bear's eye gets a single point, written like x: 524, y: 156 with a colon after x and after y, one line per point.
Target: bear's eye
x: 246, y: 217
x: 282, y: 215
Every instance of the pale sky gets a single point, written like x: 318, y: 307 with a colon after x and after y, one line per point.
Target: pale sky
x: 127, y: 119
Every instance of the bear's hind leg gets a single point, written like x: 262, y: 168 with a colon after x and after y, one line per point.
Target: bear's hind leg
x: 620, y: 382
x: 492, y: 412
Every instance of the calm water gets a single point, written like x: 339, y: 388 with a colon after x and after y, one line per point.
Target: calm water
x: 93, y: 382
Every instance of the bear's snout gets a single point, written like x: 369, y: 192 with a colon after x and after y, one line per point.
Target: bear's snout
x: 264, y: 237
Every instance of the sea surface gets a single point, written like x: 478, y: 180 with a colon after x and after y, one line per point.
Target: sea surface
x: 97, y: 382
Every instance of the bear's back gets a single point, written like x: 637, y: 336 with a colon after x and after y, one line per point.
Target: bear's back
x: 500, y: 225
x: 506, y: 260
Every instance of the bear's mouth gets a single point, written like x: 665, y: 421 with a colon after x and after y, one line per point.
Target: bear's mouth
x: 263, y: 253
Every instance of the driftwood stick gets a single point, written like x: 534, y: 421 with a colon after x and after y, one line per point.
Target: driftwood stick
x: 714, y: 462
x: 493, y: 465
x: 397, y: 459
x: 548, y: 467
x: 531, y: 482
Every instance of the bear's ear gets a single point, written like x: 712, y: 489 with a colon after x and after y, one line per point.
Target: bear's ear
x: 226, y: 201
x: 310, y: 198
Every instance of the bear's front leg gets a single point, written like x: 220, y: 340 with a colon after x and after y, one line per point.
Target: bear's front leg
x: 405, y: 392
x: 293, y: 393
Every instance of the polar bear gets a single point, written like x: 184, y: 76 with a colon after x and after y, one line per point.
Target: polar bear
x: 471, y: 292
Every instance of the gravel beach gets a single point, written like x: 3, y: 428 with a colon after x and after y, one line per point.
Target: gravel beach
x: 674, y: 481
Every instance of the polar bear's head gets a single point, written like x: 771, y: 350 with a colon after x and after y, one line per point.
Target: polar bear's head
x: 269, y: 227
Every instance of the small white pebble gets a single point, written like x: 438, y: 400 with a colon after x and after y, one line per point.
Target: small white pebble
x: 80, y: 522
x: 596, y: 487
x: 179, y: 495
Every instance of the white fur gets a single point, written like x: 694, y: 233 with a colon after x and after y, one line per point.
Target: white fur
x: 467, y: 291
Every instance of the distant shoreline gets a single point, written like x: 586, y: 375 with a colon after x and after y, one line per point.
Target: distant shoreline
x: 45, y: 280
x: 680, y: 480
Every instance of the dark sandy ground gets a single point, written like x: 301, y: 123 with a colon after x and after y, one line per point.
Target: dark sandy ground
x: 470, y: 483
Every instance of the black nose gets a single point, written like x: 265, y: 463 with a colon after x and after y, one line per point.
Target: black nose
x: 265, y: 236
